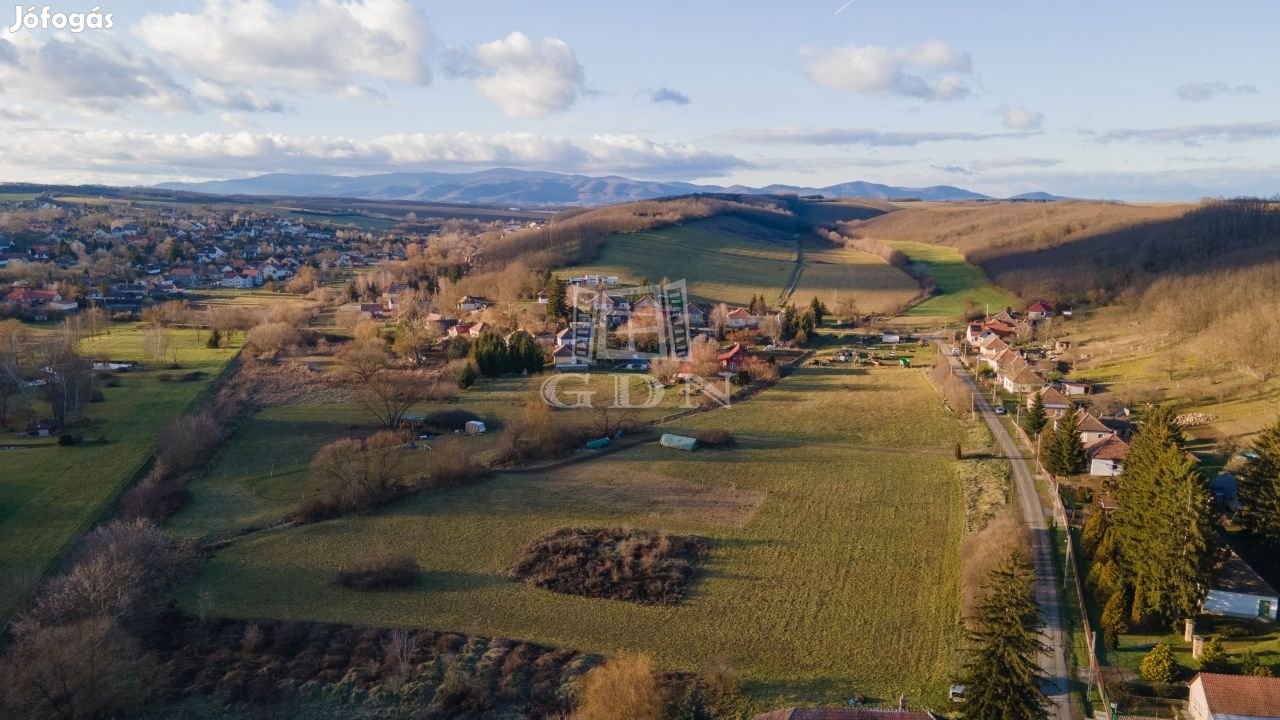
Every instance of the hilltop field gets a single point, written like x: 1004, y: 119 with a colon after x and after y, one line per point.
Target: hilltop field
x: 730, y: 259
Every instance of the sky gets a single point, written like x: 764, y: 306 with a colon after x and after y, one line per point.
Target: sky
x: 1138, y: 100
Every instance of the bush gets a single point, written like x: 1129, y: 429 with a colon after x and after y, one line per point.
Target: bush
x: 115, y: 567
x: 454, y: 464
x: 468, y: 376
x: 538, y: 434
x: 86, y: 669
x: 717, y: 438
x: 1158, y: 666
x: 617, y: 563
x: 1214, y: 658
x: 625, y: 688
x: 68, y: 439
x: 188, y: 441
x: 449, y: 420
x: 394, y: 572
x: 153, y: 499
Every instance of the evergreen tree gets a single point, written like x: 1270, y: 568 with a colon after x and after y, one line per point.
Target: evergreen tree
x: 1036, y: 417
x: 489, y: 352
x: 524, y: 355
x: 1002, y: 677
x: 1214, y: 658
x: 468, y: 376
x: 1064, y: 453
x: 1164, y: 527
x: 819, y: 310
x: 558, y: 298
x: 1158, y: 666
x: 1259, y: 488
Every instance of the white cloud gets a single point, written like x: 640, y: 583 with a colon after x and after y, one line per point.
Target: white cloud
x: 1194, y: 134
x: 523, y: 78
x: 932, y: 70
x: 858, y: 136
x: 65, y: 155
x: 1199, y: 92
x: 1018, y: 117
x: 313, y: 45
x: 88, y: 76
x: 239, y: 99
x: 667, y: 95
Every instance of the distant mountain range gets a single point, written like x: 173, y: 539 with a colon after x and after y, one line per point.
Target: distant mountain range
x: 505, y: 186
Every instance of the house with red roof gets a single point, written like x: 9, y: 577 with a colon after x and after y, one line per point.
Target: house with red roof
x: 735, y: 358
x: 1233, y: 697
x: 33, y: 298
x: 1040, y: 310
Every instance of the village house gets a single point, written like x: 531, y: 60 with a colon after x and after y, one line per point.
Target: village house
x: 1233, y: 697
x: 735, y: 358
x: 1040, y: 310
x: 33, y: 298
x: 1019, y: 378
x: 468, y: 303
x: 1055, y: 403
x: 1091, y: 428
x: 741, y: 318
x: 1237, y: 590
x: 1106, y: 456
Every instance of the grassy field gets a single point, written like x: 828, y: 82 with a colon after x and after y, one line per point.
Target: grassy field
x: 729, y: 260
x: 724, y: 259
x: 263, y: 471
x: 834, y: 273
x: 50, y: 494
x: 957, y: 282
x: 835, y: 528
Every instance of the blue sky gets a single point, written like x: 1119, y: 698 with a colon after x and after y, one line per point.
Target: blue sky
x: 1136, y: 100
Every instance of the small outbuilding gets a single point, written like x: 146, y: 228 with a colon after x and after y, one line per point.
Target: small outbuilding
x: 1233, y: 697
x: 474, y: 427
x: 679, y: 442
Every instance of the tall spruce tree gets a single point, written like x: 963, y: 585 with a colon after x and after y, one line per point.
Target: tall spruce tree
x: 1002, y: 677
x: 1259, y: 488
x: 558, y: 298
x: 1164, y: 527
x: 1036, y: 416
x: 1064, y: 453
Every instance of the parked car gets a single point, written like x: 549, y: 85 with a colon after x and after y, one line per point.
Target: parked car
x: 1001, y: 410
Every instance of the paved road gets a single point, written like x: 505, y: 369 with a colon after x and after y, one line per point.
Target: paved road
x: 1054, y: 661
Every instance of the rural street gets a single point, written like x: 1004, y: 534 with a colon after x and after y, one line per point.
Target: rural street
x: 1054, y: 661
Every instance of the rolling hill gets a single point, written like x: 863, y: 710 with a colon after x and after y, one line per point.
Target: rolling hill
x: 524, y: 187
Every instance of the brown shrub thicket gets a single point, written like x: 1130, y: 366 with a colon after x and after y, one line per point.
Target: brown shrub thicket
x: 616, y: 563
x: 539, y: 434
x: 762, y: 370
x: 391, y: 572
x: 83, y: 670
x: 714, y: 438
x: 983, y: 551
x: 454, y: 463
x: 272, y: 337
x: 624, y: 688
x: 953, y: 389
x: 188, y: 441
x: 115, y: 567
x: 361, y: 474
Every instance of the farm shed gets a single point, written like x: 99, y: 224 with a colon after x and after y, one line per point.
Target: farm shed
x: 1238, y: 591
x: 679, y: 442
x: 474, y: 427
x: 890, y: 338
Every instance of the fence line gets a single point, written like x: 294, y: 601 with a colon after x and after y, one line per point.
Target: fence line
x: 1071, y: 572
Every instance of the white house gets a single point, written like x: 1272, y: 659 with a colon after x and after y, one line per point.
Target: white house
x: 1238, y: 591
x: 1233, y: 697
x: 1106, y: 456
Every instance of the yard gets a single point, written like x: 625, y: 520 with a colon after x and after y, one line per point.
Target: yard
x: 50, y: 494
x: 835, y: 528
